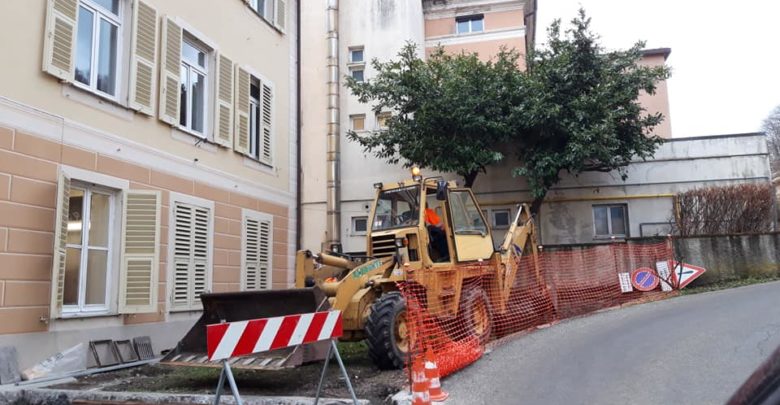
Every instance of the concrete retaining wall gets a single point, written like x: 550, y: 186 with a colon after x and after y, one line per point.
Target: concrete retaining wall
x: 731, y: 257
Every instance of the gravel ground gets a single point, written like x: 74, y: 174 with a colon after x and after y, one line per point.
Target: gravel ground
x: 369, y: 383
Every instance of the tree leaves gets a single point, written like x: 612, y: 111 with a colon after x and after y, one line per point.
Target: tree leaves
x: 583, y: 113
x: 449, y: 112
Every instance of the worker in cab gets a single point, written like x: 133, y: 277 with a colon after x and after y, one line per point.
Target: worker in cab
x: 438, y: 239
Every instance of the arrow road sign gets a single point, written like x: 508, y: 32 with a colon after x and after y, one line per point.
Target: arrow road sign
x: 684, y: 273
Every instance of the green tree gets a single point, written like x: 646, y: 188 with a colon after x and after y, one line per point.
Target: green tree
x: 449, y: 112
x: 581, y: 111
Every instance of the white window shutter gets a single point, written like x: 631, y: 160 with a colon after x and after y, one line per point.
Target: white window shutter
x: 59, y: 39
x: 200, y: 254
x: 143, y: 58
x: 223, y: 122
x: 281, y: 14
x: 241, y: 138
x: 256, y: 252
x: 170, y: 66
x: 266, y: 155
x: 60, y: 240
x: 191, y: 275
x: 138, y: 280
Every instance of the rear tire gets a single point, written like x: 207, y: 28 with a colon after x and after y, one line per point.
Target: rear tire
x: 475, y: 314
x: 387, y: 332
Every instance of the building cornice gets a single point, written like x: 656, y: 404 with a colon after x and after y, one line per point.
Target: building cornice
x: 454, y: 9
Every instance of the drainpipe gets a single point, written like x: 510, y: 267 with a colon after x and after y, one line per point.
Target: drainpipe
x: 298, y: 176
x: 333, y: 224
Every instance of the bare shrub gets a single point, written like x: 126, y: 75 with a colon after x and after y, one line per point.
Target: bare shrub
x: 744, y: 208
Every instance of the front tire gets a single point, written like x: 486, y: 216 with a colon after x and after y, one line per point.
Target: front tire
x: 387, y: 332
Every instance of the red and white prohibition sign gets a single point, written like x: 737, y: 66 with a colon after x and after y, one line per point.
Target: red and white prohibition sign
x: 226, y: 340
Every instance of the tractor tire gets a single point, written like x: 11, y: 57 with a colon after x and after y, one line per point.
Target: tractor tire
x: 475, y: 314
x: 387, y: 333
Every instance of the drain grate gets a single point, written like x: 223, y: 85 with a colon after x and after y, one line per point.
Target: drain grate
x: 143, y: 347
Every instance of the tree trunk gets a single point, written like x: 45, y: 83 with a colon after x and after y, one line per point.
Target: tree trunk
x: 470, y: 178
x: 536, y: 205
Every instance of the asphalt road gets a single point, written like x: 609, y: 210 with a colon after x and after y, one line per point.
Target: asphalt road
x: 695, y: 349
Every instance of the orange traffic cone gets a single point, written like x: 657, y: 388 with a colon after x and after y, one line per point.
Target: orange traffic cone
x: 432, y: 373
x: 420, y: 384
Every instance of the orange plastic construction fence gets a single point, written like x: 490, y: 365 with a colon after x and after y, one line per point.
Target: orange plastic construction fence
x: 566, y: 283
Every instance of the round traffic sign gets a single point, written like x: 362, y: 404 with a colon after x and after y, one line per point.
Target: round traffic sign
x: 644, y: 279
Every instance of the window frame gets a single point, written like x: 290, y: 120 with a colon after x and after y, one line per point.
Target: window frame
x: 118, y: 186
x: 354, y: 117
x: 81, y: 306
x: 269, y: 10
x: 611, y: 234
x: 386, y: 115
x: 470, y: 20
x: 255, y: 118
x: 119, y: 20
x: 353, y: 228
x: 350, y: 58
x: 494, y: 223
x: 361, y: 69
x: 192, y: 40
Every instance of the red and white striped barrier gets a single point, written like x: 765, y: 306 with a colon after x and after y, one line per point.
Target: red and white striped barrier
x: 226, y: 340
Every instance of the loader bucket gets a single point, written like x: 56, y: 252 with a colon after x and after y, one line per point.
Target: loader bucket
x: 246, y: 305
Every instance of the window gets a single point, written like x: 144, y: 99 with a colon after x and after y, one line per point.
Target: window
x: 106, y: 246
x: 191, y: 241
x: 610, y: 220
x: 89, y: 241
x: 255, y: 139
x: 357, y: 74
x: 97, y: 45
x: 256, y: 251
x: 358, y: 122
x: 193, y: 82
x: 356, y: 55
x: 466, y: 218
x: 254, y: 123
x: 502, y: 218
x: 382, y: 120
x: 359, y: 225
x: 469, y: 24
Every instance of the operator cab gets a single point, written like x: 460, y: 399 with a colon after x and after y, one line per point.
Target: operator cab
x: 428, y: 220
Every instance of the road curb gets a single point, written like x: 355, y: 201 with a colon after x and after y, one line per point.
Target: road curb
x: 42, y: 396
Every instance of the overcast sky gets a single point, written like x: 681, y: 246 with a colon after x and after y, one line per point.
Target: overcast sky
x: 725, y: 54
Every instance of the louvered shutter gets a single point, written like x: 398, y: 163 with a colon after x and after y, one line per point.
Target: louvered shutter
x: 256, y: 253
x: 281, y: 14
x: 143, y: 58
x: 241, y: 138
x: 139, y: 275
x: 223, y: 122
x: 60, y: 240
x: 59, y: 40
x: 170, y: 66
x: 190, y: 255
x: 266, y: 154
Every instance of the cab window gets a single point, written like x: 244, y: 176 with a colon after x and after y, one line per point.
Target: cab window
x: 466, y: 219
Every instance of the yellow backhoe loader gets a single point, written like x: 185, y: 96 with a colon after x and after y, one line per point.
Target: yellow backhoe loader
x: 403, y: 238
x: 430, y: 227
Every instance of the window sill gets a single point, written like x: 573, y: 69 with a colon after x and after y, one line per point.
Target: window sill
x: 356, y: 65
x: 96, y: 100
x: 86, y: 315
x: 250, y: 161
x: 185, y: 135
x: 610, y: 237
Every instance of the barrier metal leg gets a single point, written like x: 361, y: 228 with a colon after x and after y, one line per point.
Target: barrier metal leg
x: 334, y: 350
x: 227, y: 374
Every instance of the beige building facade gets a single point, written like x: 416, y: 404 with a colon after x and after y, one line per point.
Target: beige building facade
x: 337, y: 175
x: 147, y: 155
